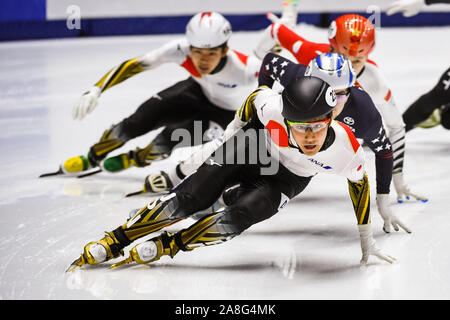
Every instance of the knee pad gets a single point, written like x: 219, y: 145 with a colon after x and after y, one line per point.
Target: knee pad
x: 249, y: 210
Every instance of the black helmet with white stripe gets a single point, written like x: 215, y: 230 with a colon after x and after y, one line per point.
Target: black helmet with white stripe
x: 307, y: 98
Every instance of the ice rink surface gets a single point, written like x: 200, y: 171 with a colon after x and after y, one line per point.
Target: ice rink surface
x: 309, y: 250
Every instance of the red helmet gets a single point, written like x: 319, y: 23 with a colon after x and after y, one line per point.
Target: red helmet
x: 352, y: 34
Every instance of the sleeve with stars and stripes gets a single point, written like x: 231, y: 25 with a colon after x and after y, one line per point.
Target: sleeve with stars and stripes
x: 277, y: 68
x: 368, y: 126
x: 377, y: 140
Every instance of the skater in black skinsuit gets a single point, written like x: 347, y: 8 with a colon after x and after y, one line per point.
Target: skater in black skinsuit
x: 434, y: 103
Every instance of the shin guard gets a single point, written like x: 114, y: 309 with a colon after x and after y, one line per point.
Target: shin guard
x: 155, y: 216
x: 210, y: 230
x: 111, y: 139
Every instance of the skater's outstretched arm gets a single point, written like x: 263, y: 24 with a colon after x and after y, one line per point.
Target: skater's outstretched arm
x: 170, y: 52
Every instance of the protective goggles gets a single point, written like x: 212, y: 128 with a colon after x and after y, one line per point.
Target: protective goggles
x: 342, y: 97
x: 313, y: 126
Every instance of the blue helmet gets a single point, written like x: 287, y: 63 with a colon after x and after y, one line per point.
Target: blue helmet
x: 332, y: 68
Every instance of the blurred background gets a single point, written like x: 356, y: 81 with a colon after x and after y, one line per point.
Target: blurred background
x: 40, y: 19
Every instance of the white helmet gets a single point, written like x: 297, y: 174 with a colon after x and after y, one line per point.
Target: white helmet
x: 208, y: 30
x: 332, y: 68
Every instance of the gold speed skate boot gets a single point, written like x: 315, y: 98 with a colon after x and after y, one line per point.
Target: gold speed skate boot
x: 99, y: 251
x: 76, y: 164
x: 72, y: 166
x: 137, y: 158
x: 109, y: 141
x: 157, y: 183
x: 151, y: 250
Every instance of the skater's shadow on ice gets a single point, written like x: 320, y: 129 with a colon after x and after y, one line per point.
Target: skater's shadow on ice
x: 326, y: 233
x: 289, y: 265
x: 236, y: 267
x: 320, y: 232
x: 306, y: 200
x: 121, y: 177
x: 319, y: 265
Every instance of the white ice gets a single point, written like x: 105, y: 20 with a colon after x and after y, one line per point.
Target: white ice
x: 309, y: 250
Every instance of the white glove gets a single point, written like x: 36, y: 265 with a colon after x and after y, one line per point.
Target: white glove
x: 266, y: 42
x: 388, y: 216
x: 288, y: 14
x: 86, y: 104
x: 403, y: 190
x: 288, y: 17
x: 369, y: 247
x: 409, y: 8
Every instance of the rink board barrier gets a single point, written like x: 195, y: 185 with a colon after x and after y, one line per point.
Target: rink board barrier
x: 41, y: 19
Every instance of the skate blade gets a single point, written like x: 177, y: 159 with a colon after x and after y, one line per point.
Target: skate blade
x: 77, y: 263
x: 49, y: 174
x: 89, y: 173
x: 134, y: 193
x: 121, y: 263
x: 60, y: 172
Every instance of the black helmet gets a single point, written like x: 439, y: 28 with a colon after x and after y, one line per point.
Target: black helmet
x: 307, y: 98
